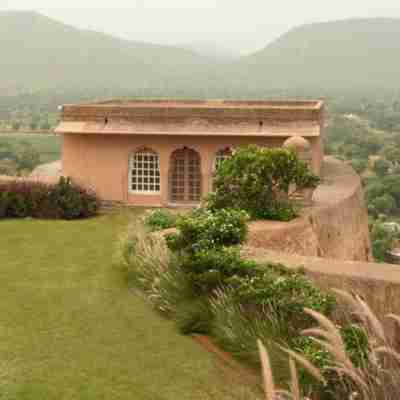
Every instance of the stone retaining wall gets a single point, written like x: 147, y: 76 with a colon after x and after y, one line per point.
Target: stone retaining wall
x: 336, y: 226
x: 378, y: 284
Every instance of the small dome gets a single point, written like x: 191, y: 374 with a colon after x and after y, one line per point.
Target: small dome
x: 297, y: 143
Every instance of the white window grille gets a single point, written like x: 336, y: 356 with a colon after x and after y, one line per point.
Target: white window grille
x: 144, y: 172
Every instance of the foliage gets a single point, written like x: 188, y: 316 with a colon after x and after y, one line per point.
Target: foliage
x: 383, y: 240
x: 208, y: 229
x: 64, y: 200
x: 359, y: 165
x: 160, y: 219
x: 258, y: 180
x: 286, y: 293
x: 381, y: 167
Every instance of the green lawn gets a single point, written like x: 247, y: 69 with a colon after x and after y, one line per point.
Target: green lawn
x: 71, y: 329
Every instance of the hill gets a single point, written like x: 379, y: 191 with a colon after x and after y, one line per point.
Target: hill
x: 45, y: 63
x: 326, y: 58
x: 40, y: 54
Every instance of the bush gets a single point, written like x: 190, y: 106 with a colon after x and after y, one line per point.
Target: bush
x: 157, y: 220
x: 64, y: 200
x: 207, y: 229
x: 283, y: 292
x: 259, y: 180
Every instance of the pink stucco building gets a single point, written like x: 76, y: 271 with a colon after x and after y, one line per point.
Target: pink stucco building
x: 164, y: 153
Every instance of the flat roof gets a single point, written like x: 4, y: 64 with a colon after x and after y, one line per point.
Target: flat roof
x: 212, y: 104
x: 288, y: 130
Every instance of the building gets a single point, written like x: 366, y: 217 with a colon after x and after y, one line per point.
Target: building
x: 164, y: 153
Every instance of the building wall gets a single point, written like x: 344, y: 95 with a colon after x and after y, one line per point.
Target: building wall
x: 101, y: 162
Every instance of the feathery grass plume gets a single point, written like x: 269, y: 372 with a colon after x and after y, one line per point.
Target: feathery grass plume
x: 307, y: 365
x: 268, y: 378
x: 395, y: 318
x: 375, y: 325
x: 294, y: 384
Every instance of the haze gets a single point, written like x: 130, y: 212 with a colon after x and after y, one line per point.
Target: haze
x: 237, y: 26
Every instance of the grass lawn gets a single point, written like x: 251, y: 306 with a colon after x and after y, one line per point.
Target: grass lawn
x: 71, y: 329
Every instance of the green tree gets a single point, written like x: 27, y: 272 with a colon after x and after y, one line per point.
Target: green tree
x: 382, y: 241
x: 385, y: 204
x: 381, y: 167
x: 28, y: 159
x: 359, y: 165
x: 259, y: 181
x: 16, y: 125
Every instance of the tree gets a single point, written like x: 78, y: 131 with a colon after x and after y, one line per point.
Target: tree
x: 28, y: 159
x: 359, y: 165
x: 385, y: 204
x: 16, y: 125
x: 260, y: 181
x: 381, y: 167
x: 382, y: 241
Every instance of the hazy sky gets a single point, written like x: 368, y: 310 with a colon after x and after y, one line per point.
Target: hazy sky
x: 244, y: 25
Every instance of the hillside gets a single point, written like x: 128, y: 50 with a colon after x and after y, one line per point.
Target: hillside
x: 327, y: 58
x: 39, y: 53
x: 45, y: 63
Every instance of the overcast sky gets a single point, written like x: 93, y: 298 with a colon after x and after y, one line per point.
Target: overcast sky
x: 244, y: 25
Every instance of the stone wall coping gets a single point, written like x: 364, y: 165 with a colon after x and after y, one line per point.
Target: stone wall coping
x: 385, y: 273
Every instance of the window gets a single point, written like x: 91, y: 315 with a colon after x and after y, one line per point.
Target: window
x: 221, y: 156
x: 144, y: 172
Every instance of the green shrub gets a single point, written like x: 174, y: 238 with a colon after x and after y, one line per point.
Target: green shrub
x: 258, y: 180
x: 286, y: 293
x: 210, y: 269
x: 206, y: 229
x: 64, y: 200
x: 160, y: 219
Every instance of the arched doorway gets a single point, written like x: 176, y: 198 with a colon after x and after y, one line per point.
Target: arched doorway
x: 185, y: 176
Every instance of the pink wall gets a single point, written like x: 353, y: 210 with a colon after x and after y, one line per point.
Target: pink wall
x: 101, y: 162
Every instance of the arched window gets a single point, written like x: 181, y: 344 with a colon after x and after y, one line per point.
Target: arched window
x: 144, y: 172
x: 222, y: 155
x: 185, y: 176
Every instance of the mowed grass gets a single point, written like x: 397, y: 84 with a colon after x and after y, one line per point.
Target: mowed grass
x: 48, y: 146
x: 71, y: 329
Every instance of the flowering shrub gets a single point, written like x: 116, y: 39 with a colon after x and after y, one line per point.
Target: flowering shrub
x: 157, y: 220
x: 64, y: 200
x: 259, y: 180
x: 206, y: 229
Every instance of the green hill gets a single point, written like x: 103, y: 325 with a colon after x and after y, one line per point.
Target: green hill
x: 327, y: 58
x: 45, y: 63
x: 38, y: 54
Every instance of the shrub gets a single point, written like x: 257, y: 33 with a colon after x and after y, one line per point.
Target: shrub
x: 259, y: 181
x: 160, y: 219
x: 285, y: 293
x: 64, y: 200
x: 207, y: 229
x: 210, y: 269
